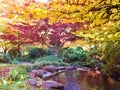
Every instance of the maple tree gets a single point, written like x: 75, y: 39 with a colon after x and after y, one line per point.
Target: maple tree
x: 24, y: 21
x: 100, y: 13
x: 53, y: 36
x: 97, y: 12
x: 15, y: 37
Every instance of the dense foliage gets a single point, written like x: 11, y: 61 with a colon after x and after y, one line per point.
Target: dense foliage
x: 18, y: 74
x: 36, y: 52
x: 75, y: 54
x: 95, y: 22
x: 13, y: 53
x: 48, y: 60
x: 112, y: 60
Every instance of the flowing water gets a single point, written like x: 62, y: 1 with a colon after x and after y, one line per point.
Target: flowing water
x: 80, y: 80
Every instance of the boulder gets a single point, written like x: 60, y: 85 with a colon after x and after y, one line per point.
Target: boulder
x: 41, y: 72
x: 47, y: 75
x: 32, y: 82
x: 60, y: 68
x: 70, y: 67
x: 33, y: 73
x: 35, y: 81
x: 50, y: 68
x: 52, y: 85
x: 38, y: 73
x: 82, y: 69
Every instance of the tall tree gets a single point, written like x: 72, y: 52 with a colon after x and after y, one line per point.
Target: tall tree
x: 16, y: 37
x: 53, y: 35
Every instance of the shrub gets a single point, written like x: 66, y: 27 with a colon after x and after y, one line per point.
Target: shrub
x: 49, y: 51
x: 63, y: 63
x: 6, y: 84
x: 62, y: 50
x: 37, y: 52
x: 14, y: 53
x: 112, y: 59
x: 75, y: 54
x: 17, y: 74
x: 38, y: 65
x: 94, y: 54
x: 78, y: 63
x: 4, y: 58
x: 23, y: 58
x: 27, y: 67
x: 48, y: 60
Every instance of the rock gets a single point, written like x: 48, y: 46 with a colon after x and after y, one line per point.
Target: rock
x: 47, y: 75
x: 35, y: 81
x: 60, y: 68
x: 97, y: 72
x: 32, y: 82
x: 33, y: 73
x: 82, y: 69
x: 52, y: 85
x: 39, y: 81
x: 70, y: 67
x: 38, y: 73
x: 50, y: 68
x: 41, y: 72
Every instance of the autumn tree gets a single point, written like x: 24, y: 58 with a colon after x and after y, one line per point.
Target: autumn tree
x: 97, y: 12
x: 16, y: 37
x: 53, y: 36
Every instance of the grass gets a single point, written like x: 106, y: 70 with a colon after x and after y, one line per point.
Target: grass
x: 6, y: 65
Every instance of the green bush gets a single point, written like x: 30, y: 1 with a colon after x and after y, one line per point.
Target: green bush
x: 48, y: 60
x: 17, y: 74
x: 78, y: 63
x: 62, y: 63
x: 62, y: 50
x: 4, y: 58
x: 38, y: 65
x: 49, y: 51
x: 95, y: 54
x: 14, y: 53
x: 6, y: 84
x: 36, y: 52
x: 27, y: 67
x: 112, y: 59
x: 75, y: 54
x: 23, y: 59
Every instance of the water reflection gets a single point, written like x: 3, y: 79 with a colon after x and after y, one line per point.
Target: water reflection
x: 71, y: 83
x: 79, y: 80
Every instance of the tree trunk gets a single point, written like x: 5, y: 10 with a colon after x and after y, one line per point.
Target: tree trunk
x: 19, y: 51
x: 5, y: 49
x: 56, y: 51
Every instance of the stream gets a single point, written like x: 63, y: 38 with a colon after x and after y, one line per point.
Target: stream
x: 81, y: 80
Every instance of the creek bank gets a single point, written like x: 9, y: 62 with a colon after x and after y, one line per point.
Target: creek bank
x: 41, y: 77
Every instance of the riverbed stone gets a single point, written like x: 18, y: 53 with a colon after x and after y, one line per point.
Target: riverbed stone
x: 50, y: 68
x: 47, y: 75
x: 36, y: 81
x: 60, y: 68
x: 70, y: 67
x: 33, y: 73
x: 41, y: 72
x: 52, y: 85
